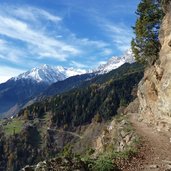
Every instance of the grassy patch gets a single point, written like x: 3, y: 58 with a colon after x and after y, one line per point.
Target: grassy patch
x: 13, y: 126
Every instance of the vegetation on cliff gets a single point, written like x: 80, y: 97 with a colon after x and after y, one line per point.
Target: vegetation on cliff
x: 146, y: 45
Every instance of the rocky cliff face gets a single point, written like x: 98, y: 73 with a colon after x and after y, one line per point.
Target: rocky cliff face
x: 154, y: 90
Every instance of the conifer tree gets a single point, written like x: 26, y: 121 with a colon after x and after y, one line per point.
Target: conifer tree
x: 145, y: 45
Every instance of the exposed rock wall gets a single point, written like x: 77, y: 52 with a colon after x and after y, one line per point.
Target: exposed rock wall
x: 154, y: 90
x: 117, y: 136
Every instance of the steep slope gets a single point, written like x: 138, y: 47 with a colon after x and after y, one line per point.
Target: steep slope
x: 154, y: 90
x: 153, y: 120
x: 13, y: 94
x: 67, y: 84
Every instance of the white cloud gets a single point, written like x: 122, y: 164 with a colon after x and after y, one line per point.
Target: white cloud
x: 78, y: 65
x: 24, y: 24
x: 8, y: 72
x: 93, y: 43
x: 102, y: 63
x: 28, y: 13
x: 10, y: 53
x: 107, y: 51
x: 46, y: 46
x: 31, y: 13
x: 28, y: 33
x: 121, y: 35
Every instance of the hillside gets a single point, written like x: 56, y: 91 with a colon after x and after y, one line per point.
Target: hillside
x: 87, y: 79
x: 44, y: 129
x: 67, y: 84
x: 115, y: 120
x: 149, y: 119
x: 102, y: 95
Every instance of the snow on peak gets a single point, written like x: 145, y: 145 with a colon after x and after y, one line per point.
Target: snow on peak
x: 115, y: 62
x: 128, y: 56
x: 71, y: 72
x: 48, y: 74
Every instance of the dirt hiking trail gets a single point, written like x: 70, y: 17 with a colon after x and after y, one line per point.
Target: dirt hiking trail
x: 155, y: 151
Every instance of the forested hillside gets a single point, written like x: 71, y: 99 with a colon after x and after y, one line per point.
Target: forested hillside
x: 42, y: 130
x: 100, y: 97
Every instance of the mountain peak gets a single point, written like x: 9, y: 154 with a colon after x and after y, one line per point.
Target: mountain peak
x: 48, y: 74
x: 51, y: 74
x: 115, y: 62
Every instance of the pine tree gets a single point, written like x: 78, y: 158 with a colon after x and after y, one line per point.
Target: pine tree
x: 145, y: 45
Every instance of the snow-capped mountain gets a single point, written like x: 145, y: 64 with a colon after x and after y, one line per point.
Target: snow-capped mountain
x: 48, y: 74
x: 18, y: 91
x: 115, y: 62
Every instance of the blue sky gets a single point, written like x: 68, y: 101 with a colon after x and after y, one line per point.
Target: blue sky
x: 72, y: 33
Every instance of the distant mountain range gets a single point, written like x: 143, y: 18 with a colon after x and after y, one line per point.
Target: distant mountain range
x: 48, y: 74
x: 115, y: 62
x: 46, y: 81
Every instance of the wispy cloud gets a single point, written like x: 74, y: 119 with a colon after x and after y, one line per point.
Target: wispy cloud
x: 32, y: 35
x: 97, y: 44
x: 8, y: 72
x: 121, y: 35
x: 78, y: 65
x: 10, y: 53
x: 45, y: 45
x: 24, y: 24
x: 31, y: 13
x: 107, y: 51
x: 101, y: 63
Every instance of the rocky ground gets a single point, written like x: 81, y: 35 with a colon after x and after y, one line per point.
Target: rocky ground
x: 155, y: 151
x: 58, y: 164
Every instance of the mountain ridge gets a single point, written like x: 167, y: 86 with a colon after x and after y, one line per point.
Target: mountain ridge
x: 48, y: 74
x: 51, y: 74
x: 19, y: 91
x: 115, y: 62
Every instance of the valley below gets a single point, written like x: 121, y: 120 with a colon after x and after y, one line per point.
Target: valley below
x: 113, y: 118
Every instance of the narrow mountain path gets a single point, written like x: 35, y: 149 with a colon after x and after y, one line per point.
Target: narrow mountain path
x: 155, y: 151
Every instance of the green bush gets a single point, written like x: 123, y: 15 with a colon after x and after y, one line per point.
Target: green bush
x: 104, y: 163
